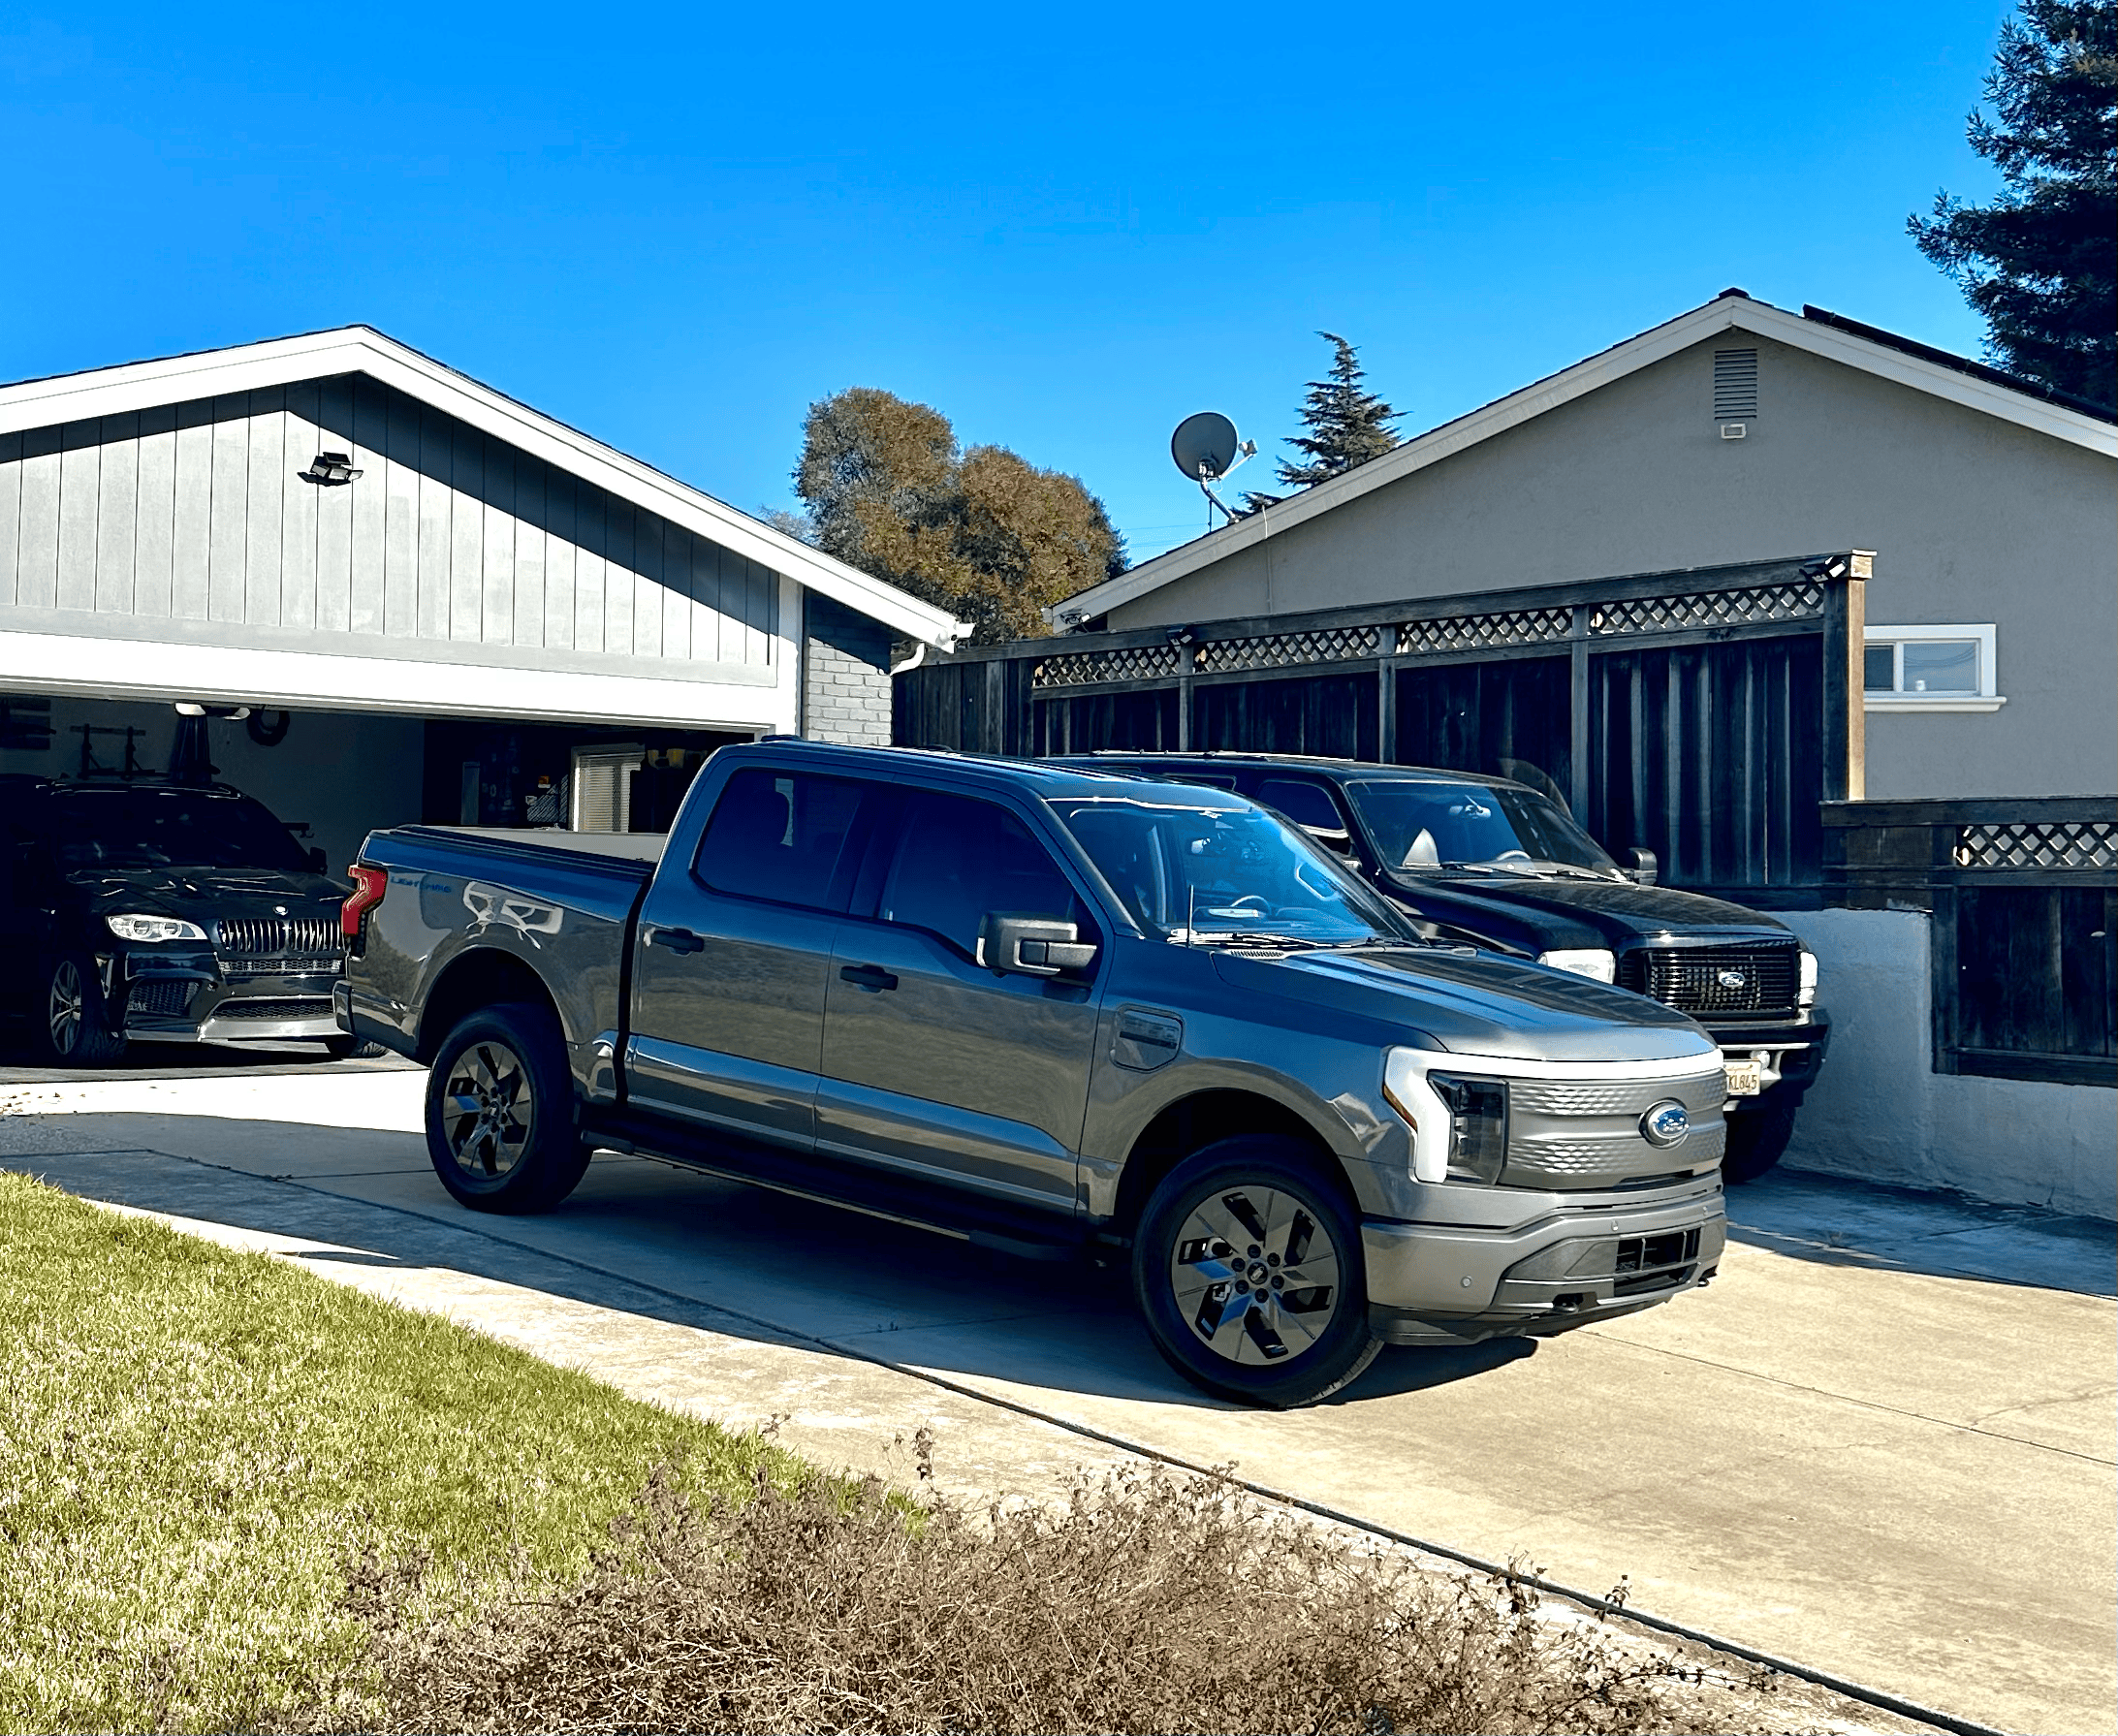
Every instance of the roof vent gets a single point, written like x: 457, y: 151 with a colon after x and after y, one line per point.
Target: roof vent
x: 1735, y: 384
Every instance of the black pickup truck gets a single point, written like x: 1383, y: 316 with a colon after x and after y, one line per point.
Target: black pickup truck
x: 1505, y: 867
x: 161, y: 912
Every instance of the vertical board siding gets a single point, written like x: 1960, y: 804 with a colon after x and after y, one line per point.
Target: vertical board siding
x: 203, y: 511
x: 1512, y: 717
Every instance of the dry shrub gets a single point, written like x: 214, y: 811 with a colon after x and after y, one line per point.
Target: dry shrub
x: 1152, y: 1603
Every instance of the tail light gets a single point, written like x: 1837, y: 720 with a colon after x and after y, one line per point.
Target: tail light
x: 368, y: 886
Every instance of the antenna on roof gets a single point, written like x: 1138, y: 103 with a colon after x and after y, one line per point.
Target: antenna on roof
x: 1206, y: 447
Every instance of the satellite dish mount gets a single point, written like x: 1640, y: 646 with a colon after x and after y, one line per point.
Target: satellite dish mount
x: 1206, y: 447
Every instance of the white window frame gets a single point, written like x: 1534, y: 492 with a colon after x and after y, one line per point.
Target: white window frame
x: 1986, y: 699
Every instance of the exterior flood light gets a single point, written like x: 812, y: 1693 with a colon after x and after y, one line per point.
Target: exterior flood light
x: 331, y: 469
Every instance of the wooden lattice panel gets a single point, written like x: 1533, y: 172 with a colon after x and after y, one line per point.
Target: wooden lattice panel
x: 2038, y: 844
x: 1481, y: 632
x: 1123, y: 663
x: 1279, y: 650
x: 1802, y: 600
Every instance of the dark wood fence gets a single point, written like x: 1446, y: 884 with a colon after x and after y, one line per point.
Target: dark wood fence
x: 2024, y: 896
x: 1702, y: 714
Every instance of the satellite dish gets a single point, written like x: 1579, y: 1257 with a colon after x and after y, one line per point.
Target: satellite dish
x: 1204, y: 446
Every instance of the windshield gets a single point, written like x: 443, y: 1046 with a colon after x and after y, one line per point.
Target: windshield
x: 157, y: 828
x: 1417, y: 824
x: 1197, y: 872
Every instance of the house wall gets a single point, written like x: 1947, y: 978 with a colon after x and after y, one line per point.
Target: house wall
x: 845, y: 676
x: 192, y: 523
x: 1879, y: 1111
x: 1973, y: 520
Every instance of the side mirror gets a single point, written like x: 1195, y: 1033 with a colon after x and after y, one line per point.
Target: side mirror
x: 1032, y: 945
x: 1646, y: 870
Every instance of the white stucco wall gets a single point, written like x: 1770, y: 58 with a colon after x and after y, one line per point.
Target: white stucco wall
x: 1880, y: 1112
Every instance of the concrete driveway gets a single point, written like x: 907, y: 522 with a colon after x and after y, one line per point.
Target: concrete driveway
x: 1883, y: 1443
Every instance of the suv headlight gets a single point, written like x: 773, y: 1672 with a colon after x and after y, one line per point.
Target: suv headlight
x: 1459, y: 1123
x: 153, y: 928
x: 1584, y: 961
x: 1805, y: 994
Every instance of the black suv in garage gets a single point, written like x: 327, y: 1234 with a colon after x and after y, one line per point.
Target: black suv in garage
x: 1502, y: 865
x: 161, y: 912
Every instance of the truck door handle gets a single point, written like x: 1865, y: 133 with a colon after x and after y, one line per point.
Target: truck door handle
x: 678, y: 940
x: 871, y: 977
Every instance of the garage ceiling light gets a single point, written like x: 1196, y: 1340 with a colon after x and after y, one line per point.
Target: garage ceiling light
x: 331, y: 469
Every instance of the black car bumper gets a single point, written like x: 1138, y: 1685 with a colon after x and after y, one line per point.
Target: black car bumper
x: 171, y: 996
x: 1791, y: 1053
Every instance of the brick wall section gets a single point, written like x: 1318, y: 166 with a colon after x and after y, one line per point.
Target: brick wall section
x: 845, y: 675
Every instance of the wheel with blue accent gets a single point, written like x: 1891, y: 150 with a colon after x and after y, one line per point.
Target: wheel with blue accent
x: 1249, y: 1270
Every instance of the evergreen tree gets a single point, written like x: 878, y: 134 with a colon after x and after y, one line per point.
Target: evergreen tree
x: 2040, y: 261
x: 983, y: 533
x: 1347, y: 424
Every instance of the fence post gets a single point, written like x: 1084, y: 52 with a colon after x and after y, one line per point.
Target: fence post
x: 1845, y: 719
x: 1577, y: 795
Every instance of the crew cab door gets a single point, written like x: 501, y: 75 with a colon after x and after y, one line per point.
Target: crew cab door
x: 932, y: 1063
x: 731, y: 955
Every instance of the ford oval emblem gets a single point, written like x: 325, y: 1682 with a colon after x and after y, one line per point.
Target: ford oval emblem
x: 1666, y: 1123
x: 1732, y: 978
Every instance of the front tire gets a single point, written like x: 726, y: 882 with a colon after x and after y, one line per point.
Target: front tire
x: 502, y: 1126
x: 1758, y: 1139
x: 1249, y: 1271
x: 74, y: 1024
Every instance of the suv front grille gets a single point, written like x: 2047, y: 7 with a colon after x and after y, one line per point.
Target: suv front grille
x: 1758, y: 978
x: 273, y: 1009
x: 273, y: 936
x: 167, y: 996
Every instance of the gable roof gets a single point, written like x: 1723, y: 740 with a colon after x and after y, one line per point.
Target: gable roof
x: 362, y: 350
x: 1829, y: 335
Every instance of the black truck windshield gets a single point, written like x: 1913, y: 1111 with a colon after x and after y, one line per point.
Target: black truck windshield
x: 162, y: 828
x: 1429, y: 824
x: 1215, y: 873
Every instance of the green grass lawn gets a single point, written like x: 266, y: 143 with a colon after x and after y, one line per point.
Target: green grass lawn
x: 194, y: 1444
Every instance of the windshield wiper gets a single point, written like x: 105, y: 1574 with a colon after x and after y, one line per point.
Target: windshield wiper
x: 1239, y: 937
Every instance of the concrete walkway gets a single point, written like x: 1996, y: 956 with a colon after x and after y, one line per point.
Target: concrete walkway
x: 1881, y: 1443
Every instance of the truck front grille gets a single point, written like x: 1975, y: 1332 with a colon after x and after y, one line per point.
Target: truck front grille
x: 276, y: 937
x: 1755, y: 979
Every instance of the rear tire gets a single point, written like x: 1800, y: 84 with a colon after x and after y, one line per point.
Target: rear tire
x: 73, y: 1020
x: 1758, y: 1139
x: 1218, y: 1241
x: 503, y: 1129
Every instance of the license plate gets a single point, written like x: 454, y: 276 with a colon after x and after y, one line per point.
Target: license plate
x: 1746, y: 1077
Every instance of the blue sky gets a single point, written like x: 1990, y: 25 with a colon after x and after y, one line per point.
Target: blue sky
x: 1065, y: 229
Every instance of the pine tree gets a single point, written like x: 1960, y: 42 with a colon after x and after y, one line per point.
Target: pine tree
x: 1347, y: 424
x: 2040, y: 261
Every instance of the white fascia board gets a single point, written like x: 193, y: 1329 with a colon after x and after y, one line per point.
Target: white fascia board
x: 75, y: 666
x: 1699, y: 326
x: 359, y: 349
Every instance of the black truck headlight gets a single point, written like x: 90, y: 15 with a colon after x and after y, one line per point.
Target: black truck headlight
x: 1477, y: 1109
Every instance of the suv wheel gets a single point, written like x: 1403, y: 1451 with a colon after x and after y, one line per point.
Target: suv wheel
x: 501, y: 1125
x: 75, y: 1029
x: 1758, y: 1138
x: 1247, y: 1267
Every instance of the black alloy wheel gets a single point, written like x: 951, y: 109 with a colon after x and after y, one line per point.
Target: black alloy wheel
x: 502, y: 1129
x: 75, y: 1029
x: 1249, y: 1271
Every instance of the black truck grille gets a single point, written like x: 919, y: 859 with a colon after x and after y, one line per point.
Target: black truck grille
x: 274, y: 936
x: 1756, y: 979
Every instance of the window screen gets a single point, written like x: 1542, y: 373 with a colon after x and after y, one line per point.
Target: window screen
x: 779, y: 835
x: 959, y: 859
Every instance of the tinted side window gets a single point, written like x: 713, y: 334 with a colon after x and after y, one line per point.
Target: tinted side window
x: 1304, y: 802
x: 779, y: 835
x: 958, y: 859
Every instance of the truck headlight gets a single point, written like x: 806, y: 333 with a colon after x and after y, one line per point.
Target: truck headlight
x: 1583, y: 960
x: 1805, y: 994
x: 153, y: 928
x: 1459, y: 1123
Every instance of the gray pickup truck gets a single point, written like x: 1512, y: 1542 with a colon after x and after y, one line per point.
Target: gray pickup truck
x: 1063, y: 1013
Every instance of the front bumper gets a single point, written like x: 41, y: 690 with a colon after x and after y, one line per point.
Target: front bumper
x: 1791, y: 1053
x: 1445, y: 1283
x: 180, y: 998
